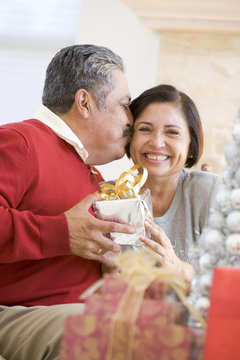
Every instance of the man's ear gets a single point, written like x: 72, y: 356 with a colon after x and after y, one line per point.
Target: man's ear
x: 82, y: 100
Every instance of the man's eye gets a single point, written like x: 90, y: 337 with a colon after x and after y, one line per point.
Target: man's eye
x: 126, y: 107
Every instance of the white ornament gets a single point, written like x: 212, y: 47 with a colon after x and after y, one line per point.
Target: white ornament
x: 216, y: 220
x: 237, y: 176
x: 236, y: 131
x: 206, y: 281
x: 232, y: 153
x: 227, y: 175
x: 213, y: 238
x: 233, y: 243
x: 235, y: 198
x: 202, y: 304
x: 223, y: 200
x: 233, y: 221
x: 205, y: 261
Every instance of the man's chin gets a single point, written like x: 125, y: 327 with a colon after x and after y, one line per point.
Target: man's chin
x: 111, y: 159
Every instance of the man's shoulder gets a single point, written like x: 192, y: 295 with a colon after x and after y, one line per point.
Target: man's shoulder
x: 25, y: 126
x: 28, y: 130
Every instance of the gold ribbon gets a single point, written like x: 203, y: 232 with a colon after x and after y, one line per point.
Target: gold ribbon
x: 127, y: 185
x: 139, y: 269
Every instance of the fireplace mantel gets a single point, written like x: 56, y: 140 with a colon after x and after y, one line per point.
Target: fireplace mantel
x: 221, y: 16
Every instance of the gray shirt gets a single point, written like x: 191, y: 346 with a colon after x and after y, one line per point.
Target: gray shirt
x: 189, y: 211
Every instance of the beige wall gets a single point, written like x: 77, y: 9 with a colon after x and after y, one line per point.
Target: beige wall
x: 206, y: 67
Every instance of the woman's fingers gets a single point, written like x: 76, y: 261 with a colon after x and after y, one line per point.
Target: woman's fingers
x: 152, y: 244
x: 158, y: 233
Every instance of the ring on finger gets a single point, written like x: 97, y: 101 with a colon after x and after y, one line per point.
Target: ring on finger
x: 100, y: 251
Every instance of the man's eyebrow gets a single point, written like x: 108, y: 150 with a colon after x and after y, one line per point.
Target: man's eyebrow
x: 126, y: 97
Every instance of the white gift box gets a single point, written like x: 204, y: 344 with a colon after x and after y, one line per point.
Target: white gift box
x: 133, y: 211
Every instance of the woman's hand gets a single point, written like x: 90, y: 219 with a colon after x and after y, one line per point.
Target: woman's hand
x: 162, y: 246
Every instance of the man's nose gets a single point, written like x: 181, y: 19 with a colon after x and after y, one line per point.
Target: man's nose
x: 130, y: 118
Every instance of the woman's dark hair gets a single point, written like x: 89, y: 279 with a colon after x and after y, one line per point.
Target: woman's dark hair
x: 169, y: 94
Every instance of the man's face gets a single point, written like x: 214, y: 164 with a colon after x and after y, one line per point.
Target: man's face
x: 110, y: 126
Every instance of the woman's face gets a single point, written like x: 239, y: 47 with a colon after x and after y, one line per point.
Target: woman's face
x: 161, y: 139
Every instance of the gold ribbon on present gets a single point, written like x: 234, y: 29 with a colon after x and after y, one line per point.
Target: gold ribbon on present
x: 139, y: 268
x: 127, y: 185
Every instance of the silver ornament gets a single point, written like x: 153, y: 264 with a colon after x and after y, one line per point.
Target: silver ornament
x: 216, y: 220
x: 202, y: 304
x: 235, y: 198
x: 232, y: 153
x: 237, y: 176
x: 228, y: 175
x: 223, y: 200
x: 236, y: 131
x: 206, y: 281
x: 233, y: 221
x: 213, y: 238
x: 205, y: 261
x: 233, y: 243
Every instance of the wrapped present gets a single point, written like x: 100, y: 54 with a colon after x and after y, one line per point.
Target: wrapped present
x: 223, y: 326
x: 125, y: 321
x: 125, y: 200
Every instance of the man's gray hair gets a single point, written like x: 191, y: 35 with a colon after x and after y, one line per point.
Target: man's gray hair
x: 77, y: 67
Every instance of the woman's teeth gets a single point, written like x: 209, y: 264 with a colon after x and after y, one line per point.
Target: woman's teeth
x: 156, y: 157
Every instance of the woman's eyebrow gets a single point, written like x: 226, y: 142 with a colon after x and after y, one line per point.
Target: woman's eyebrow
x: 144, y: 122
x: 173, y: 125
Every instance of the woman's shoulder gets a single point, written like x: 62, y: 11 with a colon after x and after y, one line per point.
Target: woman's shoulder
x: 201, y: 180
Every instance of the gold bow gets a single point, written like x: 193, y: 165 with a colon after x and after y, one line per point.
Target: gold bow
x: 127, y: 185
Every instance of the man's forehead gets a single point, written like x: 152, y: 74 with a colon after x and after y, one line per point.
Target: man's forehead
x: 121, y: 84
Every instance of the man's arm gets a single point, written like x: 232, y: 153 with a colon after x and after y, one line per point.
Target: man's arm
x: 28, y: 236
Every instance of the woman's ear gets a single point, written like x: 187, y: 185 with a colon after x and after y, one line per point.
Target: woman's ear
x: 82, y: 100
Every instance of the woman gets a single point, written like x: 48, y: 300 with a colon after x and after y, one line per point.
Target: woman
x: 168, y: 137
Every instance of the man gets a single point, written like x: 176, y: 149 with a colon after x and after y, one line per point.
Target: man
x: 51, y: 245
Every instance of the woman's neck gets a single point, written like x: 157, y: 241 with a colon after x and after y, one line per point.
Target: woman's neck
x: 162, y: 190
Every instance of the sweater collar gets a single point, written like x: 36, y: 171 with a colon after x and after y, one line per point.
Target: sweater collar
x: 53, y: 121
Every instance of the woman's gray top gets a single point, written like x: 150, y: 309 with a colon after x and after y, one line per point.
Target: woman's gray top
x: 189, y: 211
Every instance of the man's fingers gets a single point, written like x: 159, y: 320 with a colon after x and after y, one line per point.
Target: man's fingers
x: 112, y: 218
x: 89, y: 200
x: 112, y: 227
x: 206, y: 167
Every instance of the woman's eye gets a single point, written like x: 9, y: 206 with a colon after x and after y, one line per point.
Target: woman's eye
x: 143, y: 129
x: 172, y: 132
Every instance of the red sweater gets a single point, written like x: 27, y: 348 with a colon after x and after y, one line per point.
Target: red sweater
x: 41, y: 176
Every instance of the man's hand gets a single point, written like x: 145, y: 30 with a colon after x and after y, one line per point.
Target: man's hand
x: 206, y: 167
x: 88, y: 235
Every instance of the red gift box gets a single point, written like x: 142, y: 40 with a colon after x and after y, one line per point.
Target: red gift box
x: 135, y: 317
x: 223, y: 329
x: 94, y: 335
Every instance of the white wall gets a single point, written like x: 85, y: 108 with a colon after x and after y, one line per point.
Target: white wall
x: 111, y: 23
x: 32, y: 31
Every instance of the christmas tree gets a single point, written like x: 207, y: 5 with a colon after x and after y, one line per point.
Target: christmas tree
x: 219, y: 243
